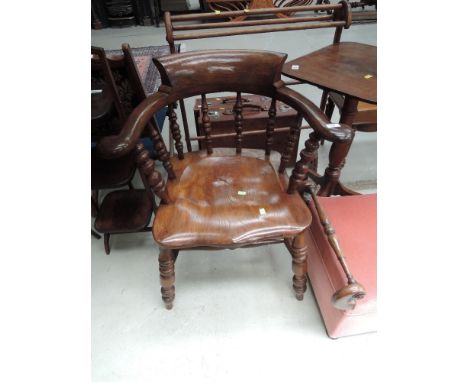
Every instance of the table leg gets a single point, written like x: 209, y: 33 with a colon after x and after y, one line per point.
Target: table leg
x: 348, y: 114
x: 339, y: 151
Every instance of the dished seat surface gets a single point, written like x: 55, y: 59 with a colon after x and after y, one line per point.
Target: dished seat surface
x: 227, y: 200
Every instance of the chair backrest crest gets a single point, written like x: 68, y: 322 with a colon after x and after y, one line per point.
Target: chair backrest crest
x: 212, y: 71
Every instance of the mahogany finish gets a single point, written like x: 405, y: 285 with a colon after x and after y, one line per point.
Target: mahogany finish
x: 224, y: 197
x: 365, y: 118
x: 342, y: 68
x: 350, y: 69
x: 218, y: 200
x: 124, y: 211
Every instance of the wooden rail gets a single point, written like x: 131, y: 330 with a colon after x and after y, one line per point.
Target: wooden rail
x: 339, y: 18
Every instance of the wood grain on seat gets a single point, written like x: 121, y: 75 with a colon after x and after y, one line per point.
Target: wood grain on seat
x: 228, y: 200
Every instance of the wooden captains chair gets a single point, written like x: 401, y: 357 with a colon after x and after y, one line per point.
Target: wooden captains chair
x: 225, y: 197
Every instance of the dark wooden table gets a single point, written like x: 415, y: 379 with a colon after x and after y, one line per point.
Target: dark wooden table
x: 348, y: 68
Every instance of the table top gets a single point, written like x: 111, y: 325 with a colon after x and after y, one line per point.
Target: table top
x: 349, y: 68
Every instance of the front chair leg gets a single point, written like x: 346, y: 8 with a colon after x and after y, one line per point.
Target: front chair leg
x: 167, y: 275
x: 299, y: 264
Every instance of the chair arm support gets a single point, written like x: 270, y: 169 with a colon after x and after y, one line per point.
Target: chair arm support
x: 314, y: 116
x: 118, y: 145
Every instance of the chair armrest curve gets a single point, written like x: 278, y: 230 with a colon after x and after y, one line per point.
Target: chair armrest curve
x: 316, y: 118
x: 116, y: 146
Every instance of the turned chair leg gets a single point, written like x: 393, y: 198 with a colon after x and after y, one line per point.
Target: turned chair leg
x: 298, y: 251
x: 106, y: 243
x: 167, y: 275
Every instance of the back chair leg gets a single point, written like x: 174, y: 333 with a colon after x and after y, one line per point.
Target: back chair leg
x: 298, y: 251
x: 106, y: 243
x: 167, y: 275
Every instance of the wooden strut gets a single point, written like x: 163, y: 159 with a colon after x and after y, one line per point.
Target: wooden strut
x: 251, y: 132
x: 294, y: 133
x: 346, y: 297
x: 280, y: 28
x: 270, y: 127
x: 238, y: 122
x: 207, y: 126
x: 251, y: 23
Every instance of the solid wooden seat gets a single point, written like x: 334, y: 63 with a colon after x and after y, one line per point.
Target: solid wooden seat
x: 124, y: 211
x: 219, y: 200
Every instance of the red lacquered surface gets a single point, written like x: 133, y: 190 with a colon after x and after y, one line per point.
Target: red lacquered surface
x: 355, y: 221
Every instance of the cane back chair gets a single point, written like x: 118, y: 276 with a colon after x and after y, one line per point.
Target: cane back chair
x: 226, y: 197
